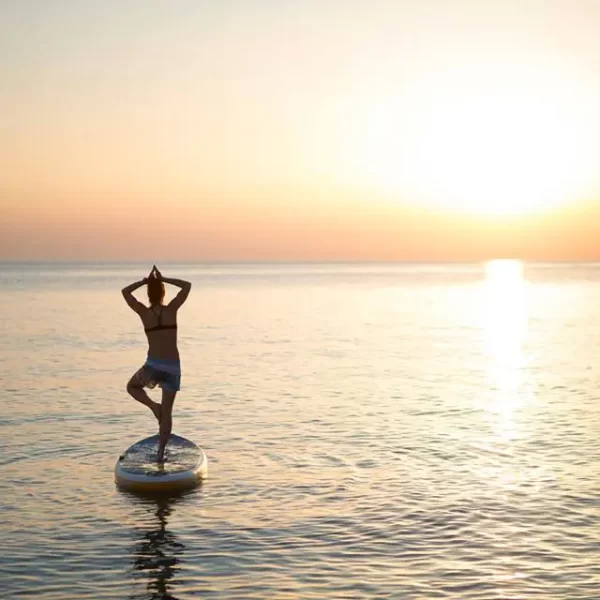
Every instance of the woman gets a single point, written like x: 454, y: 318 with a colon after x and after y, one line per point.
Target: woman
x: 162, y: 365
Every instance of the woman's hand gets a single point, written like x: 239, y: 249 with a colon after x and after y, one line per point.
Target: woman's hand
x: 154, y: 273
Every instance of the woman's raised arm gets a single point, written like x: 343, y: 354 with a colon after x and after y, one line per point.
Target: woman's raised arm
x: 135, y: 304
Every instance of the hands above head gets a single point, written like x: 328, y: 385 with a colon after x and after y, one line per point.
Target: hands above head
x: 155, y: 273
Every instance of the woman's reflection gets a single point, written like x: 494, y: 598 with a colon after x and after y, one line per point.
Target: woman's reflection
x: 157, y: 551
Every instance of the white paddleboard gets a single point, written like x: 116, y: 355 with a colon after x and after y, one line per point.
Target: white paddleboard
x: 185, y: 465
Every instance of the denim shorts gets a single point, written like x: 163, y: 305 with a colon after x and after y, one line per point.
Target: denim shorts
x: 164, y: 373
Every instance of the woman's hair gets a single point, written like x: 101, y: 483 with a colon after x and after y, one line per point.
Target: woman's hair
x: 156, y: 290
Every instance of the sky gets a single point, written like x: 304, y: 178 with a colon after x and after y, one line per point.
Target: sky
x: 312, y: 130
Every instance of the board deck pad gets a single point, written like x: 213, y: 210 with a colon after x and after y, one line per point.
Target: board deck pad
x: 180, y: 455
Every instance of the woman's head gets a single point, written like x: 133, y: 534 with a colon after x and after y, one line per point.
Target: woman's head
x: 156, y: 290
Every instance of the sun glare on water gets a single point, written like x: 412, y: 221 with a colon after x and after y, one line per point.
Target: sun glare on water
x: 492, y: 145
x: 505, y: 323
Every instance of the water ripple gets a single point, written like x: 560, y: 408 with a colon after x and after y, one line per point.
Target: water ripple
x: 363, y: 442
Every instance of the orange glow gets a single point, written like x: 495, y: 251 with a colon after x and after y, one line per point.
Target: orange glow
x: 493, y: 140
x: 381, y: 134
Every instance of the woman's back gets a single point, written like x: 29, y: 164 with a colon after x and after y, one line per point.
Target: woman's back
x: 160, y: 325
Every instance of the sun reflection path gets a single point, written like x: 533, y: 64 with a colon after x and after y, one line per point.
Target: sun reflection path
x: 505, y: 319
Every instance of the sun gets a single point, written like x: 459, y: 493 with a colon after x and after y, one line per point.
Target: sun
x: 493, y: 145
x: 506, y: 154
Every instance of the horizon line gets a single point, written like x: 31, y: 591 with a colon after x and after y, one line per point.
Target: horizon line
x: 18, y: 261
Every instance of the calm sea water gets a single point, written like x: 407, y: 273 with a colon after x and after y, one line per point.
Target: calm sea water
x: 373, y: 431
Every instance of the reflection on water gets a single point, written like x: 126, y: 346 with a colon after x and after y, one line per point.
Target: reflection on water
x: 506, y: 312
x: 157, y: 551
x: 374, y: 436
x: 510, y: 381
x: 505, y: 327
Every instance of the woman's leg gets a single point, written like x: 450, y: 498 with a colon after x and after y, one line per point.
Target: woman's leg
x: 166, y: 421
x: 135, y: 387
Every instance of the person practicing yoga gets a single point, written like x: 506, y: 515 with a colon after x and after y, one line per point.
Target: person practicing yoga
x: 162, y: 365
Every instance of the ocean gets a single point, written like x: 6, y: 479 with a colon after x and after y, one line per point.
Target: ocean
x: 399, y: 430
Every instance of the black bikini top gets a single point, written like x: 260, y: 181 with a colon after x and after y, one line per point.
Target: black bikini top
x: 160, y: 325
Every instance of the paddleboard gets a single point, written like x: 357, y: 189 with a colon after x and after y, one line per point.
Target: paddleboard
x: 185, y: 465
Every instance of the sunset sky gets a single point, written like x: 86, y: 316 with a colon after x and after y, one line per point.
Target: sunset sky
x: 305, y: 130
